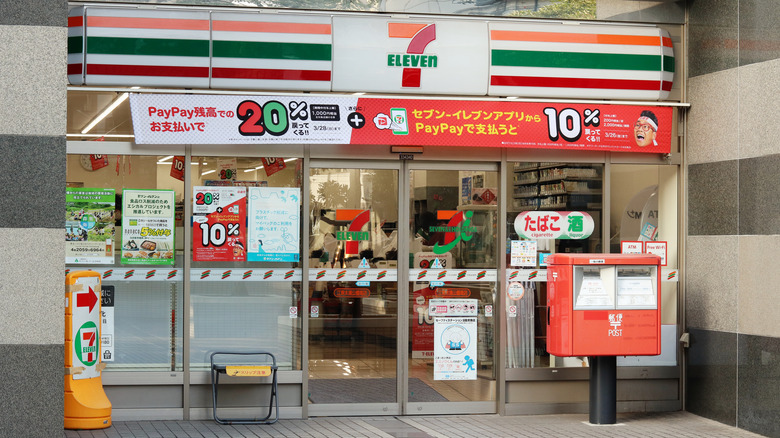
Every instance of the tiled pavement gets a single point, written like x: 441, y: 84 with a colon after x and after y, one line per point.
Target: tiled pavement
x: 669, y: 424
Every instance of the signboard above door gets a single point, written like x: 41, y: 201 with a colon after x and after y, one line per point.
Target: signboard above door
x: 345, y: 52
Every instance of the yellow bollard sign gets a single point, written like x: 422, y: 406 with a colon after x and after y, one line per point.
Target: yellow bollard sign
x: 86, y: 404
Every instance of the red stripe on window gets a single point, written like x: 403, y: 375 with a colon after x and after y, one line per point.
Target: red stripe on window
x: 148, y: 70
x: 275, y: 74
x: 74, y: 69
x: 606, y: 84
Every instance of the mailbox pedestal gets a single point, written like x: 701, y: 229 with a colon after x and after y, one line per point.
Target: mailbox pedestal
x: 603, y: 389
x: 603, y: 306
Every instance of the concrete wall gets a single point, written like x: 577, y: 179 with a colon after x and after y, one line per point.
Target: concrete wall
x: 733, y: 248
x: 32, y: 177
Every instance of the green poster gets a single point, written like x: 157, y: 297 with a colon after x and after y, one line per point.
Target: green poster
x: 148, y: 227
x: 89, y: 226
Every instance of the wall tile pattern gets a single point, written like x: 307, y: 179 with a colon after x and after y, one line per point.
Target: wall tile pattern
x: 733, y: 251
x: 713, y: 191
x: 32, y: 175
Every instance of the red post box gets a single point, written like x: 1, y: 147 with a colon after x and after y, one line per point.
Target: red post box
x: 604, y: 305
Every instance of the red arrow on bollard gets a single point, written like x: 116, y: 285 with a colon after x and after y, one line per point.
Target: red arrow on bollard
x: 87, y: 299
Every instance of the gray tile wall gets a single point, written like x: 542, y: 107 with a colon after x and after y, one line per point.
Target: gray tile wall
x: 32, y: 390
x: 712, y: 375
x: 733, y: 245
x: 32, y: 176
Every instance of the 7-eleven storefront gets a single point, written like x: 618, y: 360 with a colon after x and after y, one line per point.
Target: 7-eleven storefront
x: 307, y: 184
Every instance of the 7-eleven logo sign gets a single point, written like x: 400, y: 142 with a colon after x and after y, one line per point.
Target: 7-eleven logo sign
x: 353, y: 235
x: 457, y: 229
x: 86, y: 344
x: 414, y: 60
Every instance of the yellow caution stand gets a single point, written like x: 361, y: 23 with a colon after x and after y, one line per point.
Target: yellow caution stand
x: 86, y: 404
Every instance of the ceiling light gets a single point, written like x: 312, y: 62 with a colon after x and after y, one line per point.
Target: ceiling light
x: 122, y: 97
x: 208, y: 172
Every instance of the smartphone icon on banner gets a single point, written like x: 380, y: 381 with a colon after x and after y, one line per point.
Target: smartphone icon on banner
x: 398, y: 121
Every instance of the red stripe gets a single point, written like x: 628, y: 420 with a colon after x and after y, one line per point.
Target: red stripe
x: 267, y: 73
x: 666, y: 86
x: 74, y: 69
x: 148, y: 70
x: 607, y: 84
x: 75, y: 21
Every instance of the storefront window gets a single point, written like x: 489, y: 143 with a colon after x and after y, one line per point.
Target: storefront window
x: 112, y: 203
x: 644, y: 217
x: 555, y: 208
x: 246, y: 269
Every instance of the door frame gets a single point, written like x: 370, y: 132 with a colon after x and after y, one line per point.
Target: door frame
x: 402, y: 406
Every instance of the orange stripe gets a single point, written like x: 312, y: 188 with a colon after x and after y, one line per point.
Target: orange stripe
x: 667, y: 42
x: 403, y: 30
x: 253, y: 26
x: 559, y: 37
x: 445, y: 215
x: 75, y: 21
x: 148, y: 23
x: 347, y: 215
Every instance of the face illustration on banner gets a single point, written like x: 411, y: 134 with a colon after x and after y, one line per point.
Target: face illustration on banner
x: 645, y: 129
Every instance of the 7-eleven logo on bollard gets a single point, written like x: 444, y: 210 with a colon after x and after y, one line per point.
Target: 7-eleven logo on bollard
x: 353, y: 235
x: 87, y: 344
x: 413, y: 61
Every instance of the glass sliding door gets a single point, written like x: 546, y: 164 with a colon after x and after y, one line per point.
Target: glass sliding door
x: 452, y: 289
x: 353, y: 291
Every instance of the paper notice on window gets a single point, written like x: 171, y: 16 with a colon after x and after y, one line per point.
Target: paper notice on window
x: 592, y: 293
x: 635, y: 292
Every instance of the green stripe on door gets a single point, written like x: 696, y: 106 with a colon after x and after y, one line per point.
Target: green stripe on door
x: 606, y: 61
x: 266, y: 50
x: 147, y: 46
x: 75, y: 44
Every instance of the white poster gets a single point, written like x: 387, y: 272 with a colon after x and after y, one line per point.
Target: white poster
x: 523, y: 253
x: 454, y: 338
x: 274, y: 224
x: 148, y: 227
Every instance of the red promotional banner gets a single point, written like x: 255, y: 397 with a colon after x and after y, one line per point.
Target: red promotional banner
x: 595, y: 127
x: 177, y: 168
x: 273, y: 165
x: 98, y: 161
x: 181, y: 119
x: 422, y: 323
x: 219, y: 224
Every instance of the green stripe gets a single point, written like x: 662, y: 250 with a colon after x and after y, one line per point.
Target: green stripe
x: 669, y: 64
x: 147, y: 46
x: 265, y: 50
x: 75, y: 44
x: 606, y: 61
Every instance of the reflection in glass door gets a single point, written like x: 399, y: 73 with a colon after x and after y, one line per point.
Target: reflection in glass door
x: 453, y: 256
x: 353, y: 290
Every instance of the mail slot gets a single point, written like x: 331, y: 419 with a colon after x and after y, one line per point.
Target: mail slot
x: 604, y: 305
